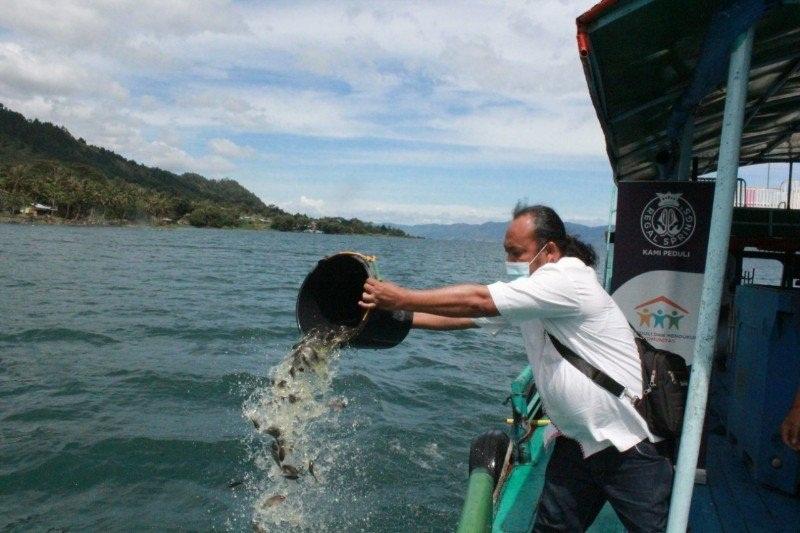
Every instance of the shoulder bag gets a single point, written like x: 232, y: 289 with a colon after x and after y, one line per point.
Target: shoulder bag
x: 665, y: 383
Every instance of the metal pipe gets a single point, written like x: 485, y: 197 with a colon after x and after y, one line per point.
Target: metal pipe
x: 784, y: 136
x: 789, y: 186
x: 684, y: 166
x: 716, y: 259
x: 519, y: 404
x: 612, y: 217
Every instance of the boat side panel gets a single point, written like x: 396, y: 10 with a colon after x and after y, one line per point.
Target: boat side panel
x: 520, y: 494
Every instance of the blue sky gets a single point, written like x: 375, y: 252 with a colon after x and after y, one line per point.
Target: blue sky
x: 407, y: 112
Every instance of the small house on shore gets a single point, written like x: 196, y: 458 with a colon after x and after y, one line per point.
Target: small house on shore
x: 38, y: 209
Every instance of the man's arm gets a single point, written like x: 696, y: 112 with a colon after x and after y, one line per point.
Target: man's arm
x: 459, y: 301
x: 442, y: 323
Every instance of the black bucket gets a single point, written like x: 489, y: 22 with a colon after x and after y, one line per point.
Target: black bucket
x: 329, y: 299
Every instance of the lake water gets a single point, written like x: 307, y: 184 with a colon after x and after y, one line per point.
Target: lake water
x: 128, y: 357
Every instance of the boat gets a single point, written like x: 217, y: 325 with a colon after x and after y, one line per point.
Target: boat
x: 690, y: 91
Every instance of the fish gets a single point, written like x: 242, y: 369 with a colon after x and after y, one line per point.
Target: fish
x: 337, y: 404
x: 311, y: 471
x: 278, y: 452
x: 272, y: 501
x: 308, y: 356
x: 290, y: 472
x: 234, y: 484
x: 305, y: 354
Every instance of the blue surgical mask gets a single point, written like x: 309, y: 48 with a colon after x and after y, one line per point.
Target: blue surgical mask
x: 521, y: 269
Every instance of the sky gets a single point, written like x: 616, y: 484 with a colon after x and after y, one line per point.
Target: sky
x: 404, y: 112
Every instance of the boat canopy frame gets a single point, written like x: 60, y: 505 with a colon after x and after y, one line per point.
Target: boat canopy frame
x: 655, y: 71
x: 656, y: 68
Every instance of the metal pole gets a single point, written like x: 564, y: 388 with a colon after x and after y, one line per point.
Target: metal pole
x: 789, y: 187
x: 683, y: 172
x: 716, y: 259
x: 612, y: 219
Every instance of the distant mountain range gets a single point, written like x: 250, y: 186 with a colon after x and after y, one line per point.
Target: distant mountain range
x: 495, y: 231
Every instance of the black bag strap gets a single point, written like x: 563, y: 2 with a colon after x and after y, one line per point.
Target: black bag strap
x: 588, y: 369
x: 639, y: 335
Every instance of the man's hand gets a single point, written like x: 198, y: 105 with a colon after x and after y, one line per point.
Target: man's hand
x: 790, y: 429
x: 382, y: 295
x: 457, y: 301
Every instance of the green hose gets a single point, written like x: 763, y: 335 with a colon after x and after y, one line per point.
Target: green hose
x: 476, y: 515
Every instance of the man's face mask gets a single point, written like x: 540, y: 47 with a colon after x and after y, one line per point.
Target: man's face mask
x: 521, y: 269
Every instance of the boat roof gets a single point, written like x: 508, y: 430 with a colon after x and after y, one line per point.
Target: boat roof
x: 652, y: 65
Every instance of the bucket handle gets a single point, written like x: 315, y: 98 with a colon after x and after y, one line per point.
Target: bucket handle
x: 373, y: 263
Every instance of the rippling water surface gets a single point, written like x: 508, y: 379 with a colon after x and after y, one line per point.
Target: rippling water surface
x: 128, y: 357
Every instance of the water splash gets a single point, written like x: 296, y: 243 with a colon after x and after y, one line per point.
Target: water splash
x: 288, y: 451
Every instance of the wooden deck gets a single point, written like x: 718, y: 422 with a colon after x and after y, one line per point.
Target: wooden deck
x: 731, y: 501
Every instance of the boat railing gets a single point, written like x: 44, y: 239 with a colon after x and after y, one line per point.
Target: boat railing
x: 525, y: 404
x: 764, y: 197
x: 748, y: 277
x: 774, y: 197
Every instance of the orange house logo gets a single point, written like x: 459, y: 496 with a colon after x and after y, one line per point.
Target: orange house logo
x: 660, y: 313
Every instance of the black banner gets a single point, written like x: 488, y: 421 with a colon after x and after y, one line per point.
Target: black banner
x: 659, y: 257
x: 661, y: 226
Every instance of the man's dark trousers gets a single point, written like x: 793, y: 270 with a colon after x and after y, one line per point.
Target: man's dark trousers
x: 637, y: 483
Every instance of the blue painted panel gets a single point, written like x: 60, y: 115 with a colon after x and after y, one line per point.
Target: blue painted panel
x: 766, y: 375
x: 703, y: 513
x: 732, y: 486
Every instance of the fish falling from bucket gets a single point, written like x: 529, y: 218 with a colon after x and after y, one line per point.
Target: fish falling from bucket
x: 329, y: 316
x: 295, y: 397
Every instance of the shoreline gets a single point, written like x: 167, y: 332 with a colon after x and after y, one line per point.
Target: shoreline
x: 44, y: 220
x: 47, y: 220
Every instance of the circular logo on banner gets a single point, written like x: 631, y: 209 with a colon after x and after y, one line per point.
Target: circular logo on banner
x: 668, y: 220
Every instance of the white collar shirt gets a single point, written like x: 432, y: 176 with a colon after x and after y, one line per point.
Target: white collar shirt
x: 566, y: 300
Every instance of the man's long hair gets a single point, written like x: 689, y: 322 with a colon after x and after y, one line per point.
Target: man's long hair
x: 548, y: 226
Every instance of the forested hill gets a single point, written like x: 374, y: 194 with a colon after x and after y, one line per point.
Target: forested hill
x: 23, y: 141
x: 43, y: 163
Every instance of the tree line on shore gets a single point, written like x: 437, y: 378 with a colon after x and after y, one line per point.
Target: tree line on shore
x: 44, y: 163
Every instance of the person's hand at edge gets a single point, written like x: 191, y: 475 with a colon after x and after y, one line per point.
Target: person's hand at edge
x: 790, y: 429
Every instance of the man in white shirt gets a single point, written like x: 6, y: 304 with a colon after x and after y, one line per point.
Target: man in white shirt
x: 604, y: 451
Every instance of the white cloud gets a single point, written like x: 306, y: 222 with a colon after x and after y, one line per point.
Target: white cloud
x: 512, y: 49
x: 265, y: 110
x: 105, y: 26
x: 313, y: 203
x: 415, y: 61
x: 383, y: 211
x: 25, y: 73
x: 169, y: 157
x: 228, y: 148
x: 542, y: 132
